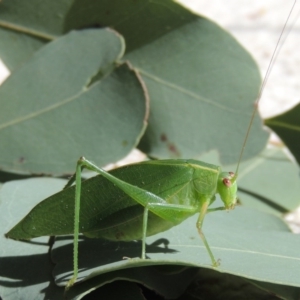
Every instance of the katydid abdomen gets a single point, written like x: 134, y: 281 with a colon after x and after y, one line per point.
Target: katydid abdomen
x: 108, y: 212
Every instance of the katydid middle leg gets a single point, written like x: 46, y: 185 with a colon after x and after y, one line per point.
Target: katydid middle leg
x: 160, y: 209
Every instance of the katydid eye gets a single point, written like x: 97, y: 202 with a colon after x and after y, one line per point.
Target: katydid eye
x: 227, y: 182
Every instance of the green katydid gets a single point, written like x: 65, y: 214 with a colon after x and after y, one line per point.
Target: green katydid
x: 140, y: 209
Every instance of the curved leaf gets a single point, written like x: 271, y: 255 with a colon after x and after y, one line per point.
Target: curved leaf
x: 234, y: 238
x: 53, y: 19
x: 51, y: 114
x: 17, y: 47
x: 115, y: 290
x: 140, y: 22
x: 202, y: 83
x: 281, y: 291
x: 169, y: 285
x: 209, y: 284
x: 270, y: 182
x: 25, y: 26
x: 287, y: 127
x: 45, y: 17
x: 25, y: 267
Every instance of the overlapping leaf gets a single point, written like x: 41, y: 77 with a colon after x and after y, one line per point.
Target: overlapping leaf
x: 287, y: 127
x: 25, y: 267
x: 233, y: 238
x: 270, y: 182
x: 239, y: 242
x: 202, y: 86
x: 201, y: 82
x: 25, y: 26
x: 51, y: 114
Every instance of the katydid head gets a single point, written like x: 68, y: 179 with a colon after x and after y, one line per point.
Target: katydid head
x: 227, y: 189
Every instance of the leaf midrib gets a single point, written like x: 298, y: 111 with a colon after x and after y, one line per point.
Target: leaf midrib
x: 26, y: 30
x: 42, y: 111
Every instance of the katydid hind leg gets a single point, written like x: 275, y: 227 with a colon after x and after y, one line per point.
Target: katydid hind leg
x: 150, y: 201
x: 145, y: 223
x: 81, y: 163
x: 75, y: 178
x: 76, y: 224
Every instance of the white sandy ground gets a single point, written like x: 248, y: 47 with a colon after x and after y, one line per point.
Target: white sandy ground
x: 257, y: 25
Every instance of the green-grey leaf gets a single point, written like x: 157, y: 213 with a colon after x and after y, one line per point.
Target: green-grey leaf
x: 281, y: 291
x: 235, y: 238
x: 115, y: 290
x: 202, y: 86
x: 270, y: 182
x: 201, y: 81
x: 51, y: 115
x: 170, y: 285
x: 287, y: 127
x: 209, y: 284
x: 34, y: 16
x: 17, y: 47
x: 27, y: 25
x: 140, y: 22
x: 25, y: 267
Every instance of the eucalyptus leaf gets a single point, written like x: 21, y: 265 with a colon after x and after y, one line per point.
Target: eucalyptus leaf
x: 17, y: 47
x: 52, y: 19
x: 209, y: 284
x: 51, y: 113
x: 25, y: 26
x: 151, y: 277
x: 239, y: 242
x: 202, y: 83
x: 25, y: 268
x: 140, y: 21
x: 270, y: 182
x: 281, y: 291
x: 200, y: 80
x: 34, y: 16
x: 287, y: 127
x: 115, y: 290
